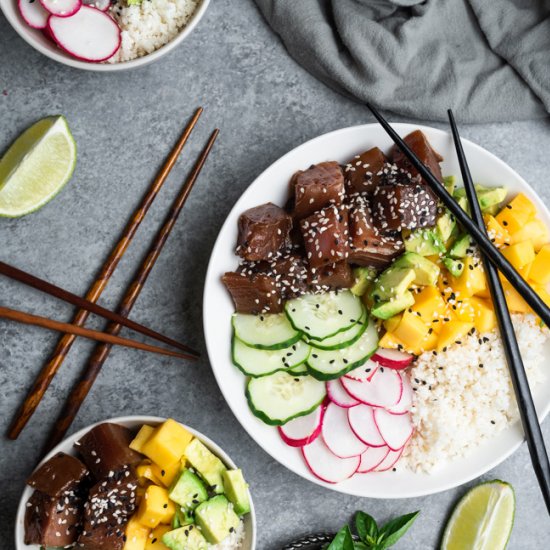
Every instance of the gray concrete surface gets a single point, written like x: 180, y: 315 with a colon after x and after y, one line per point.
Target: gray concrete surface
x: 124, y: 124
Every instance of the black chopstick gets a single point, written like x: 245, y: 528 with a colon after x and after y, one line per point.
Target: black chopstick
x: 527, y: 411
x: 486, y: 246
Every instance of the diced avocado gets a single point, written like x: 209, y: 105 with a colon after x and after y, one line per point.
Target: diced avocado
x: 488, y: 197
x: 185, y: 538
x: 455, y: 267
x: 363, y: 277
x: 492, y: 210
x: 394, y: 281
x: 464, y: 204
x: 449, y: 182
x: 188, y: 490
x: 207, y: 464
x: 425, y: 242
x: 216, y: 519
x: 236, y: 490
x: 385, y: 310
x: 461, y: 246
x: 445, y: 226
x: 425, y: 271
x: 181, y: 518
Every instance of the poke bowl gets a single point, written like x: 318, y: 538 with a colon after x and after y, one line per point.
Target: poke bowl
x: 118, y: 484
x: 348, y: 321
x: 104, y: 35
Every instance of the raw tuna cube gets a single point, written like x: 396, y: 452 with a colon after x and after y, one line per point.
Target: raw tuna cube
x: 326, y: 236
x: 290, y: 275
x: 397, y: 207
x: 316, y: 188
x: 263, y: 232
x: 331, y: 276
x: 253, y: 292
x: 105, y: 449
x: 364, y: 172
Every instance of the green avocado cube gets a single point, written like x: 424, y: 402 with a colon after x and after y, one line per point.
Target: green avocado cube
x: 455, y: 267
x: 363, y: 277
x: 207, y: 464
x: 385, y: 310
x: 188, y: 490
x: 425, y: 242
x: 185, y: 538
x: 461, y: 247
x: 236, y: 490
x: 425, y: 271
x: 216, y: 519
x: 393, y: 282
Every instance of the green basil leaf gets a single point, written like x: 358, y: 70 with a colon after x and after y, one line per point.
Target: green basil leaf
x: 366, y: 526
x: 342, y: 541
x: 395, y: 529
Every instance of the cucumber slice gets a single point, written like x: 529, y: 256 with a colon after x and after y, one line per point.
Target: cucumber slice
x: 260, y: 362
x: 300, y: 370
x: 327, y: 365
x: 271, y: 331
x: 342, y: 339
x: 278, y: 398
x: 324, y: 315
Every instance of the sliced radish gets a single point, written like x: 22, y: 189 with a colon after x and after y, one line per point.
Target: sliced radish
x: 372, y: 458
x: 384, y: 390
x: 392, y: 358
x: 61, y: 8
x: 337, y: 394
x: 362, y: 424
x: 389, y: 462
x: 364, y: 373
x: 395, y: 429
x: 102, y: 5
x: 405, y: 403
x: 89, y: 35
x: 338, y: 435
x: 304, y: 429
x: 33, y: 13
x: 326, y: 465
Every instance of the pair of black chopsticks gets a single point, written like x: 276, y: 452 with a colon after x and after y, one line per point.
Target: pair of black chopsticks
x: 493, y: 261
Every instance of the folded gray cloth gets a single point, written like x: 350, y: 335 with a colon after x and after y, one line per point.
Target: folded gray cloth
x: 488, y: 60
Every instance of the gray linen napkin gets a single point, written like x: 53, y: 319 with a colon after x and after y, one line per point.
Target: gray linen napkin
x: 487, y: 59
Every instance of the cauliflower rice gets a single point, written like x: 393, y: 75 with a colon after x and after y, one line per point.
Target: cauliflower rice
x: 464, y: 396
x: 150, y: 25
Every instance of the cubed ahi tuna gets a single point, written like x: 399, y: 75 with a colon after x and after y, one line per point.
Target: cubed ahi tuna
x: 105, y: 449
x: 364, y: 172
x: 316, y: 188
x: 333, y: 276
x: 263, y: 232
x: 253, y: 292
x: 397, y: 207
x: 368, y: 245
x: 326, y: 236
x: 59, y: 474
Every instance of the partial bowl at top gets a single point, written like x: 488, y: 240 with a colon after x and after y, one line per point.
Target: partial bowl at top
x: 41, y: 42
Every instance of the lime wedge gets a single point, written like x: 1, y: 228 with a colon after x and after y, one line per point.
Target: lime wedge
x: 483, y: 518
x: 36, y: 167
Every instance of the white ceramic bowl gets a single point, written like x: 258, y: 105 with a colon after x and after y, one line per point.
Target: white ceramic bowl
x: 272, y: 185
x: 67, y: 446
x: 39, y: 42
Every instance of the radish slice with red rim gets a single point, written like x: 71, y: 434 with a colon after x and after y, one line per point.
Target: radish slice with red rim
x: 89, y: 35
x: 389, y: 462
x: 395, y: 429
x: 362, y: 424
x: 371, y: 458
x: 102, y: 5
x: 303, y: 430
x: 338, y: 395
x: 384, y: 390
x: 61, y: 8
x: 326, y: 465
x: 405, y: 403
x: 392, y: 358
x: 33, y: 13
x: 364, y: 373
x: 338, y: 435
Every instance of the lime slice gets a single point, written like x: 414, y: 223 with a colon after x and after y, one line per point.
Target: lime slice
x: 36, y: 167
x: 483, y: 518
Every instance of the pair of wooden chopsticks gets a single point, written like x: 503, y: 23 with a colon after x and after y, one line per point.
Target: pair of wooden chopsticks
x: 493, y: 261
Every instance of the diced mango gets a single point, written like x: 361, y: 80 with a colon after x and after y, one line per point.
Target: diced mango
x: 514, y: 300
x: 498, y: 234
x: 142, y: 436
x: 452, y: 332
x: 411, y: 330
x: 167, y: 444
x: 389, y: 341
x: 145, y: 471
x: 429, y: 342
x: 154, y: 540
x: 519, y: 254
x: 534, y: 231
x: 485, y: 319
x: 464, y: 311
x: 167, y: 475
x: 540, y: 268
x: 429, y: 303
x: 136, y: 535
x: 516, y: 213
x: 391, y: 323
x: 543, y: 293
x: 155, y: 507
x: 471, y: 282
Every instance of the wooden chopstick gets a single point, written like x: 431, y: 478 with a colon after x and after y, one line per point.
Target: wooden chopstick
x: 62, y: 294
x: 486, y: 246
x: 100, y: 354
x: 524, y: 398
x: 49, y: 370
x: 44, y: 322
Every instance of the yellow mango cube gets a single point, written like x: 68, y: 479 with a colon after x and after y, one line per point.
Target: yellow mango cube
x: 514, y: 300
x: 145, y: 472
x: 472, y: 280
x: 452, y: 332
x: 389, y: 341
x: 540, y: 268
x: 167, y: 475
x: 141, y: 438
x: 498, y: 234
x: 391, y: 324
x: 154, y: 541
x: 516, y: 213
x: 464, y: 311
x: 429, y: 342
x: 155, y: 507
x: 167, y: 444
x: 411, y: 330
x: 136, y: 535
x: 429, y: 303
x: 534, y: 231
x: 519, y: 254
x: 485, y: 318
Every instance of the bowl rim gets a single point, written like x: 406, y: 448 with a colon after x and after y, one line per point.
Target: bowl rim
x: 28, y: 35
x: 130, y: 421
